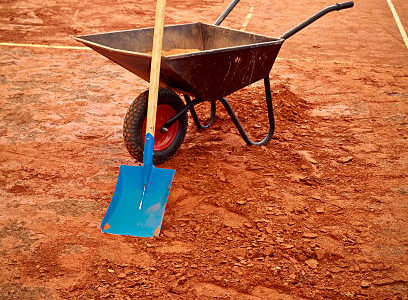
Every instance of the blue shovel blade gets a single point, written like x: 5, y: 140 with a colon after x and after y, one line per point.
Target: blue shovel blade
x: 124, y: 217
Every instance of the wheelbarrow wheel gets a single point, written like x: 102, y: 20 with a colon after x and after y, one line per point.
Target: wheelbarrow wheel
x: 165, y: 144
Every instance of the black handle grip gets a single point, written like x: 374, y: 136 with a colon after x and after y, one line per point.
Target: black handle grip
x: 345, y: 5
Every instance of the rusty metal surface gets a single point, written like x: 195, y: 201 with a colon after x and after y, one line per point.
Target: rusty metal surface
x: 228, y: 59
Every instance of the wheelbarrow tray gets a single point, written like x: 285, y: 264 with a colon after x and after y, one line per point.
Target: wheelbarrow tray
x: 228, y: 59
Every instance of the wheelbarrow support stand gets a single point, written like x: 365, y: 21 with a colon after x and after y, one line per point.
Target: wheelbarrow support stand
x: 190, y: 107
x: 271, y: 118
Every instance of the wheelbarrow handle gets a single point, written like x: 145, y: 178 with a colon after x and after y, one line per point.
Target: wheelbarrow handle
x: 337, y: 6
x: 226, y: 12
x: 344, y: 5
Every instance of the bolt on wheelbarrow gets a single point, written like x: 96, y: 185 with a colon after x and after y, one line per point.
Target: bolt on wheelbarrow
x: 225, y: 60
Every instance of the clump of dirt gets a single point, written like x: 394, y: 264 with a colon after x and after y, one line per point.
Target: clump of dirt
x: 74, y: 207
x: 18, y: 291
x: 19, y: 231
x: 288, y: 106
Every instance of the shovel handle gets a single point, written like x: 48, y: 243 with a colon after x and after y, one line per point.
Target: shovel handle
x: 155, y: 67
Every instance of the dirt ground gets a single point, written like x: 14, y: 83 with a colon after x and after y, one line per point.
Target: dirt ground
x: 319, y: 213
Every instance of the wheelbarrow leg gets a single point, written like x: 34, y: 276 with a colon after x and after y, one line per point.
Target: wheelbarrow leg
x: 195, y: 117
x: 271, y: 118
x: 190, y: 106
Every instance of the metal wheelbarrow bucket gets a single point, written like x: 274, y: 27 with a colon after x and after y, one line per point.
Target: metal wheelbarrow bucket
x: 227, y: 60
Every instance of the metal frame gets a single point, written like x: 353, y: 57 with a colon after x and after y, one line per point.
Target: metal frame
x: 190, y: 107
x: 195, y: 117
x: 271, y: 118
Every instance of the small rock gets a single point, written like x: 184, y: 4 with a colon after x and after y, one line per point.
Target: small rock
x: 310, y: 235
x: 229, y: 238
x: 345, y: 159
x: 122, y: 275
x: 170, y: 234
x: 248, y: 225
x: 336, y: 270
x: 312, y: 263
x: 261, y: 221
x: 365, y: 284
x: 174, y: 288
x: 268, y: 251
x: 237, y: 270
x: 111, y: 271
x: 297, y: 177
x: 307, y: 155
x: 385, y: 281
x: 241, y: 202
x: 269, y: 229
x: 221, y: 175
x: 320, y: 253
x: 320, y: 209
x: 277, y: 269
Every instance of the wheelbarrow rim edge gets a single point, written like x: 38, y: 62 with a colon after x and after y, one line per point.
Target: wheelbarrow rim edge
x: 274, y: 40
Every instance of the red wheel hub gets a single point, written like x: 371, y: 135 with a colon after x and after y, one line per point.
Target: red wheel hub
x: 163, y: 140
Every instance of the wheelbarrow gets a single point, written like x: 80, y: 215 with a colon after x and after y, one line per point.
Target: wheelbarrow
x: 224, y: 61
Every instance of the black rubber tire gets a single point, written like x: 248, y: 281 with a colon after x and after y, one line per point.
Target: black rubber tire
x: 133, y: 123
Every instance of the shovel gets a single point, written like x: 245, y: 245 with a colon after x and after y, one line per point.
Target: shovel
x: 140, y: 197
